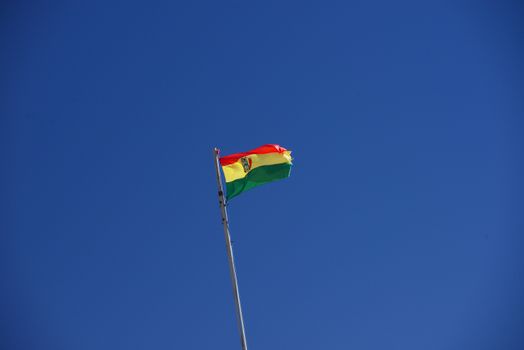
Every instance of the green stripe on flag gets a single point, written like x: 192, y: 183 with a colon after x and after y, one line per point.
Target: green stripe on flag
x: 257, y: 176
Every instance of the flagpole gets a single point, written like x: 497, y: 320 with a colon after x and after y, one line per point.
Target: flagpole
x: 229, y: 247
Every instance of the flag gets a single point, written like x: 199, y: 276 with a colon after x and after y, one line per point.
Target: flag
x: 246, y: 170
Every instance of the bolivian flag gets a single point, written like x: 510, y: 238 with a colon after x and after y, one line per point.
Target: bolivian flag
x: 246, y: 170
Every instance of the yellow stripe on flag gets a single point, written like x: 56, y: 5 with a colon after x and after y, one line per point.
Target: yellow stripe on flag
x: 236, y: 170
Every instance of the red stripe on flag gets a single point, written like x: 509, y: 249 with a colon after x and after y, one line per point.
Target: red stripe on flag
x: 233, y: 158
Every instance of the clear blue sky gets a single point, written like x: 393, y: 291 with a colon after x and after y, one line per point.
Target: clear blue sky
x: 400, y: 227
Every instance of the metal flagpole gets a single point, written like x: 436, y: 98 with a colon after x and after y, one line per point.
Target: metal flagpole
x: 232, y: 271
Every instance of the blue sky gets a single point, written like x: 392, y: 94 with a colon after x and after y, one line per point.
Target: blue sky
x: 400, y: 227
